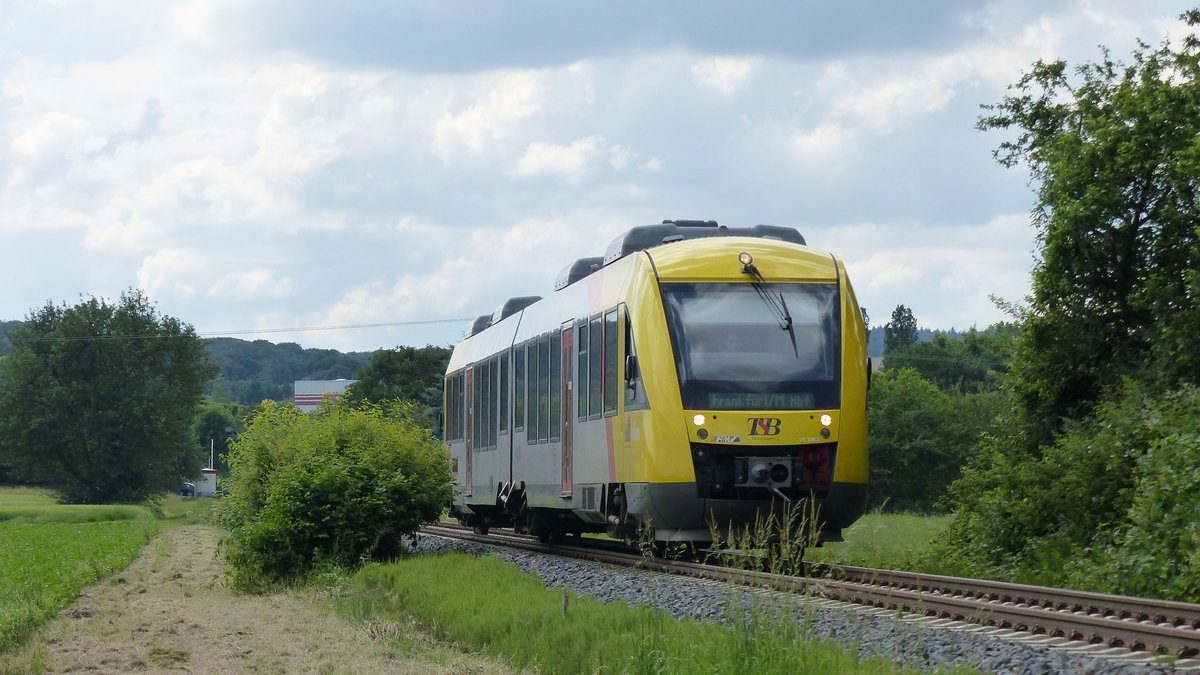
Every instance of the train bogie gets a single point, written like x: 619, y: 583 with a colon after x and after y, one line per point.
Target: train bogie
x: 694, y: 381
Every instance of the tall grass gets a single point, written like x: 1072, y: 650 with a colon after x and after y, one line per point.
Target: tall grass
x: 486, y: 605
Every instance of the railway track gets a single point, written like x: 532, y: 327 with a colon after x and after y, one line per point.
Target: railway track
x: 1105, y: 625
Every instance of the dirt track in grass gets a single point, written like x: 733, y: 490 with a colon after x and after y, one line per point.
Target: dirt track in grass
x: 171, y: 612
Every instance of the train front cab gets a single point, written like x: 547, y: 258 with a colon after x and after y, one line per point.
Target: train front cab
x: 755, y: 406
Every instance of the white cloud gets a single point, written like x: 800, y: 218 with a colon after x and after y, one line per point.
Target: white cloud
x: 510, y: 99
x: 521, y: 259
x: 723, y: 75
x: 571, y: 162
x: 185, y: 274
x: 55, y: 133
x: 882, y: 270
x: 171, y: 273
x: 821, y: 145
x: 944, y: 274
x: 886, y: 95
x: 254, y: 284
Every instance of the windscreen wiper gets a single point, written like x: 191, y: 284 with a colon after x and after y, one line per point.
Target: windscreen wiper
x: 776, y: 304
x: 787, y: 318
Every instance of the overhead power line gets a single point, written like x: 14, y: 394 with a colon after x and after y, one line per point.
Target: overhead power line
x: 253, y: 331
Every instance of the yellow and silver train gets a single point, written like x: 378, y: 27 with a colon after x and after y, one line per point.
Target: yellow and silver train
x: 695, y: 377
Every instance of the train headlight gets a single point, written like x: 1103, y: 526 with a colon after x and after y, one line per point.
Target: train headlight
x: 745, y: 258
x: 826, y: 420
x: 698, y: 420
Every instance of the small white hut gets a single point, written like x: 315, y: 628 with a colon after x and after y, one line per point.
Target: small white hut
x: 207, y: 485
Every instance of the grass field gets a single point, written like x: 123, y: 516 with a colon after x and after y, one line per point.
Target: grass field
x: 50, y: 551
x: 885, y: 540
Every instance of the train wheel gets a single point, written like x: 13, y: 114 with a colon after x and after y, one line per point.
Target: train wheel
x: 480, y: 526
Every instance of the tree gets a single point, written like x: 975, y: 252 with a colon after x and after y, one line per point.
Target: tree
x: 215, y: 425
x: 900, y: 332
x: 98, y: 399
x: 970, y: 362
x: 405, y: 373
x: 1103, y: 373
x: 1116, y: 288
x: 921, y: 437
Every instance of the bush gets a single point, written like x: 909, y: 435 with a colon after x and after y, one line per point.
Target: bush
x: 335, y: 488
x: 1111, y: 506
x: 1157, y: 552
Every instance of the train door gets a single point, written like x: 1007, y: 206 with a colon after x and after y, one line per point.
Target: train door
x: 468, y: 437
x: 567, y: 407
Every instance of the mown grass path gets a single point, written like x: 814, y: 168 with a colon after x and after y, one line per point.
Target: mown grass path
x: 170, y: 612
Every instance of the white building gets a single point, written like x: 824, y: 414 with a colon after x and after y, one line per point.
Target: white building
x: 310, y: 394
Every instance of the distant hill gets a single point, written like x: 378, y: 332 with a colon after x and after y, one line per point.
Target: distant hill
x: 258, y: 370
x: 6, y: 326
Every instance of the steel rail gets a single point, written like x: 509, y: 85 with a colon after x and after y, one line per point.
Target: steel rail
x: 1178, y: 614
x: 1076, y: 619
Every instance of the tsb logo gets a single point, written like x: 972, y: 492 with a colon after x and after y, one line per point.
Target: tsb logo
x: 764, y: 426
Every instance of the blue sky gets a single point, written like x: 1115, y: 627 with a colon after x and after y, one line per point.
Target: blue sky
x: 261, y: 165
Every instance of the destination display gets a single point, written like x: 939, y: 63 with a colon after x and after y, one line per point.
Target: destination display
x: 760, y: 401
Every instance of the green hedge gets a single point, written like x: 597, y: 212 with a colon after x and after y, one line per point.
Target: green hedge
x: 339, y: 487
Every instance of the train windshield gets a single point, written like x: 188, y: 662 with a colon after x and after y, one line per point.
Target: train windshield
x: 742, y: 346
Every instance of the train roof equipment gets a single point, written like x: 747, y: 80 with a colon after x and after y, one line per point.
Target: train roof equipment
x: 512, y: 306
x: 643, y: 237
x: 481, y: 322
x: 576, y: 271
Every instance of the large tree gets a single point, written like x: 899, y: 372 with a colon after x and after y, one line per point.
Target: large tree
x: 97, y: 399
x: 1115, y: 151
x: 405, y: 373
x: 900, y: 332
x: 1075, y: 483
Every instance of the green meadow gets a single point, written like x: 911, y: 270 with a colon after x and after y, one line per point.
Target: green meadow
x: 898, y: 541
x: 49, y: 552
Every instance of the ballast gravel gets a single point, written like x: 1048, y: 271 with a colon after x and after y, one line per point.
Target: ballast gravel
x: 908, y: 643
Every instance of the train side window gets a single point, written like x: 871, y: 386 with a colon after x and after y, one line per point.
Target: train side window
x: 535, y: 367
x: 454, y: 401
x: 448, y: 407
x: 610, y: 362
x: 581, y: 370
x: 504, y: 385
x: 494, y: 408
x: 594, y: 367
x: 519, y: 389
x: 460, y: 401
x: 544, y: 389
x: 635, y: 391
x: 555, y: 416
x: 476, y: 421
